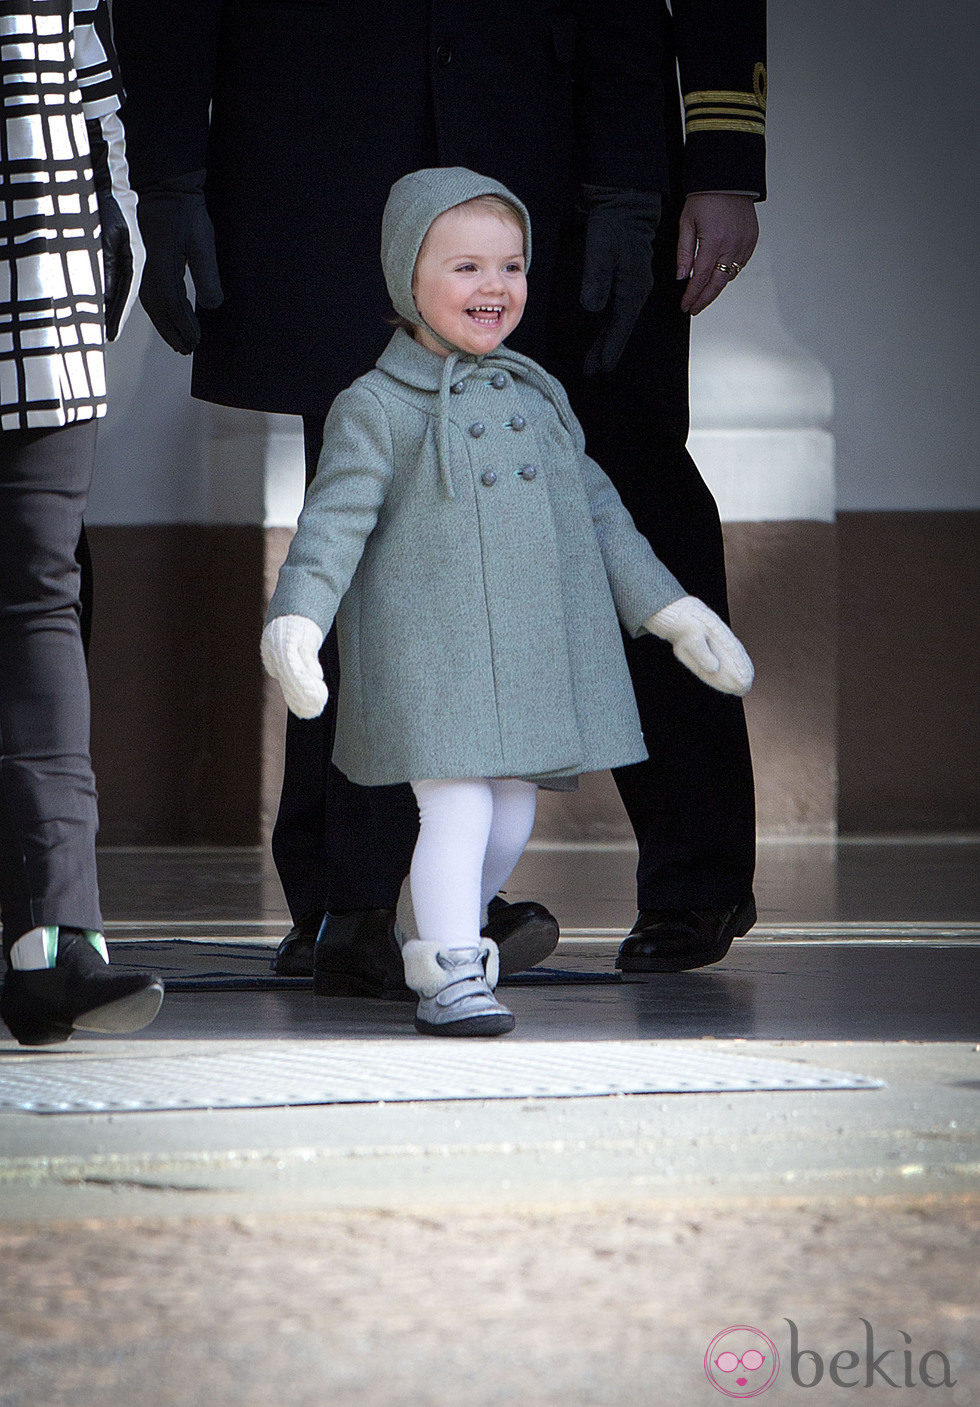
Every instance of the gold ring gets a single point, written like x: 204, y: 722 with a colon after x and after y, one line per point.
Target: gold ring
x: 731, y: 270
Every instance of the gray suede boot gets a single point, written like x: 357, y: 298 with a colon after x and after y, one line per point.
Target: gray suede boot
x: 455, y: 987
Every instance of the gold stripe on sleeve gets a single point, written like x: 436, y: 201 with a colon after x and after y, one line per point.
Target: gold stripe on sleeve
x: 724, y: 95
x: 725, y: 124
x: 711, y: 111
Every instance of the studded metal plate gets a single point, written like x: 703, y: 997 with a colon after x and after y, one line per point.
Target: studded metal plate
x: 361, y: 1071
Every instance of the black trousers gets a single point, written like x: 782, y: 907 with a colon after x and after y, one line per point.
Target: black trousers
x: 48, y: 812
x: 338, y: 846
x: 692, y: 803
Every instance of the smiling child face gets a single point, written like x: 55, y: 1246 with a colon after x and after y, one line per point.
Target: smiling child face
x: 469, y: 280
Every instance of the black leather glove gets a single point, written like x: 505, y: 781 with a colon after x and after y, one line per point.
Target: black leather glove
x: 117, y: 249
x: 178, y: 234
x: 618, y: 268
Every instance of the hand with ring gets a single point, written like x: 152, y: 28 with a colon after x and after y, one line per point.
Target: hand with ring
x: 718, y: 233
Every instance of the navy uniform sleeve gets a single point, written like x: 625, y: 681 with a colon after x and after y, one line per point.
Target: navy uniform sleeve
x: 619, y: 55
x: 721, y: 53
x: 167, y: 57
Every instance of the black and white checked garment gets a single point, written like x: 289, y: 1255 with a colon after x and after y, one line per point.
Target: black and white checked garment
x: 56, y: 70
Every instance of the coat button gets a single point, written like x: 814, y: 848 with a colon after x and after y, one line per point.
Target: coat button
x: 477, y: 429
x: 444, y: 54
x: 488, y: 477
x: 458, y: 387
x: 528, y: 472
x: 498, y: 381
x: 517, y: 422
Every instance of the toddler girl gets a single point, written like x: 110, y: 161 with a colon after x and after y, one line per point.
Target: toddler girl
x: 478, y: 564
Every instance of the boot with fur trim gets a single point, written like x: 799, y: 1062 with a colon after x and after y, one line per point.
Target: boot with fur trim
x: 525, y: 933
x: 455, y: 987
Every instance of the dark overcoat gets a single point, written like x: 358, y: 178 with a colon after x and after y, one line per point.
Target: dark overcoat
x: 317, y: 107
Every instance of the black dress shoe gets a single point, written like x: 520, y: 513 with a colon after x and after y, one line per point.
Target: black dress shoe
x: 526, y: 934
x: 294, y: 955
x: 82, y: 992
x: 676, y: 940
x: 356, y: 955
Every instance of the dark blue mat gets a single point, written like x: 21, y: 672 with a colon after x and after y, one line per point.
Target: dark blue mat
x: 190, y: 966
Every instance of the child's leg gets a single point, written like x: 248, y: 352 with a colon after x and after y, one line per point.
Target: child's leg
x: 449, y: 964
x: 455, y: 819
x: 514, y: 805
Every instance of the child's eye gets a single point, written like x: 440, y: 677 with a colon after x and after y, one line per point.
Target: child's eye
x: 465, y: 268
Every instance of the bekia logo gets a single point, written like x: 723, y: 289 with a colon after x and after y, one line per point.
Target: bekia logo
x: 743, y: 1362
x: 892, y: 1366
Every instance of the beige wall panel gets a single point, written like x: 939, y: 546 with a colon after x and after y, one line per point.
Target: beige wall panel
x: 909, y: 672
x: 187, y: 735
x: 176, y: 692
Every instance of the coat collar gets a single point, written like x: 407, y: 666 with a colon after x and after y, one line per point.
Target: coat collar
x: 407, y: 361
x: 414, y: 365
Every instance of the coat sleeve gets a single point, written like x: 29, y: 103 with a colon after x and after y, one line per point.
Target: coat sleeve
x: 641, y: 585
x: 95, y: 59
x: 168, y: 56
x: 619, y: 66
x: 721, y: 55
x: 98, y: 79
x: 342, y: 505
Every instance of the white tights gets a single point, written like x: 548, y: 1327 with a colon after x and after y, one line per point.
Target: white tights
x: 472, y: 832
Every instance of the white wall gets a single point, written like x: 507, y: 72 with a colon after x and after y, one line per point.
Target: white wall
x: 872, y: 232
x: 872, y: 227
x: 149, y: 462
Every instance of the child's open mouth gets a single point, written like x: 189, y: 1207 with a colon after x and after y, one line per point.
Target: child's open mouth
x: 487, y: 315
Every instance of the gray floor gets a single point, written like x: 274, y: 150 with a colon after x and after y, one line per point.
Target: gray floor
x: 877, y: 881
x: 865, y: 960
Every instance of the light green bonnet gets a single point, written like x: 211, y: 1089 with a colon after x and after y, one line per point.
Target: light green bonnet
x: 413, y: 203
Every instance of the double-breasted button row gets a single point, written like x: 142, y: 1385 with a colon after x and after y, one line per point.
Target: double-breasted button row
x: 528, y: 472
x: 498, y: 381
x: 516, y: 422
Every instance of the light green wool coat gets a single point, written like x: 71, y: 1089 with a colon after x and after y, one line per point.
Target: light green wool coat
x: 475, y: 575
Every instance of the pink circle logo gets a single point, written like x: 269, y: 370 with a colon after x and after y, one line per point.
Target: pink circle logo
x: 741, y: 1361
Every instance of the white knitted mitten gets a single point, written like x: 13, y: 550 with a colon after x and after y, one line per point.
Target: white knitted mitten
x: 704, y: 644
x: 290, y: 645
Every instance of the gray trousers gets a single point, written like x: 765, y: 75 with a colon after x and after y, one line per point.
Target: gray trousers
x: 48, y: 812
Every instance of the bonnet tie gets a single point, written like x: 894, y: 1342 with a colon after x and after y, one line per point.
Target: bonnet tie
x: 520, y: 367
x: 528, y: 370
x: 442, y: 425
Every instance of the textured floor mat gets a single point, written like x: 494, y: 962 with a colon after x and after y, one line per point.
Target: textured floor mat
x: 354, y: 1071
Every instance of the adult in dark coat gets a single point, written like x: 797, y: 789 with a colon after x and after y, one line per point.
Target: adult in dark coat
x: 302, y: 116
